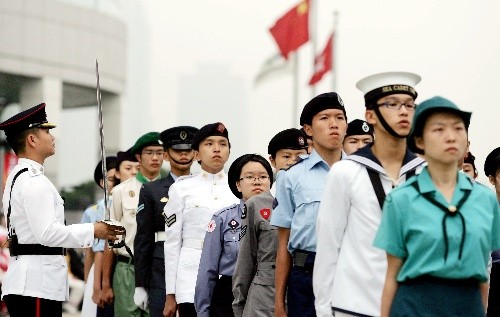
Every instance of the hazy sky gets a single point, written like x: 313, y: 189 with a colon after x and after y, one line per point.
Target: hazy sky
x: 452, y: 44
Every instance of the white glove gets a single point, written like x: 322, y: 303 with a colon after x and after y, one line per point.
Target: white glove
x: 141, y: 298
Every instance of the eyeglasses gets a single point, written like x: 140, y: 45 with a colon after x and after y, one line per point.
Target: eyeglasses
x: 409, y: 105
x: 153, y: 153
x: 251, y: 179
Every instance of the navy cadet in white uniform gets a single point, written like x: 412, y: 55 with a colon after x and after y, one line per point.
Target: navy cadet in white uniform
x: 193, y: 200
x: 148, y: 243
x: 249, y: 175
x: 36, y: 282
x: 349, y: 273
x: 298, y: 195
x: 253, y: 278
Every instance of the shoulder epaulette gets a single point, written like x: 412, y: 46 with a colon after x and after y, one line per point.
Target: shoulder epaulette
x: 220, y: 212
x: 181, y: 178
x: 299, y: 160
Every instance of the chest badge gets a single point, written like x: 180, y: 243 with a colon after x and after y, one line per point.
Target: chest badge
x: 131, y: 193
x: 233, y: 224
x: 164, y: 199
x: 265, y: 213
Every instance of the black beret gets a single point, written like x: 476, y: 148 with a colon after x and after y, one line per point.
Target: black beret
x: 329, y: 100
x: 287, y: 139
x: 110, y: 164
x: 150, y: 138
x: 178, y: 138
x: 212, y: 129
x: 34, y: 117
x: 359, y: 127
x: 492, y: 163
x: 233, y: 175
x: 470, y: 159
x: 124, y: 156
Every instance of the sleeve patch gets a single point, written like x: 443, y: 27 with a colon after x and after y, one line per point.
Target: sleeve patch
x: 242, y: 232
x: 170, y: 220
x: 211, y: 226
x: 140, y: 207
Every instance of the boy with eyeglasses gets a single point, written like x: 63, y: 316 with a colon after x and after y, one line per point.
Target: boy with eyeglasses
x: 349, y: 272
x: 193, y: 200
x: 125, y: 197
x: 298, y: 195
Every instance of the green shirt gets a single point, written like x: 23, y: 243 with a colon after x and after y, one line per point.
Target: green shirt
x: 412, y: 230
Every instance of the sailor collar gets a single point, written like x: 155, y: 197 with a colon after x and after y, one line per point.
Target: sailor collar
x: 365, y: 156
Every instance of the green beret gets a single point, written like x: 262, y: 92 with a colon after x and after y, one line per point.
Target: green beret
x: 151, y: 138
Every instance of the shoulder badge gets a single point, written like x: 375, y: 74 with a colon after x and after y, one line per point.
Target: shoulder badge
x: 244, y: 212
x: 170, y: 220
x: 211, y: 226
x: 275, y: 203
x: 131, y: 193
x: 265, y: 213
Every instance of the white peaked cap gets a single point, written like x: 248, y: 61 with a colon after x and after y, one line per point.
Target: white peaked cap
x: 379, y: 80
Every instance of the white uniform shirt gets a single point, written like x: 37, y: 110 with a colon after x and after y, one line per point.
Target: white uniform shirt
x: 349, y: 273
x: 192, y: 202
x: 38, y: 218
x: 124, y: 201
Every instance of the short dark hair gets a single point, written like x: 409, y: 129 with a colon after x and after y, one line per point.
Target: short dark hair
x: 18, y: 141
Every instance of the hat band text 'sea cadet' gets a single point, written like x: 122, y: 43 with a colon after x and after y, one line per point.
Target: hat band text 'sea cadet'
x: 375, y: 94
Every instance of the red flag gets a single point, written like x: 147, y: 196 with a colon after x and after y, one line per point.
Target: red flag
x: 292, y: 30
x: 322, y: 62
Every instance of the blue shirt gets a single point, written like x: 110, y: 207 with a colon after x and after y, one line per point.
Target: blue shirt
x: 412, y: 229
x: 298, y: 196
x: 219, y: 254
x: 94, y: 214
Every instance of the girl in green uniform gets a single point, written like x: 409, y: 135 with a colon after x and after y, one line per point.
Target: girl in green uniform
x: 438, y: 228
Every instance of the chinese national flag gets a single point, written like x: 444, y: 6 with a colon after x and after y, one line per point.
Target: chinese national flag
x: 322, y: 63
x: 292, y: 30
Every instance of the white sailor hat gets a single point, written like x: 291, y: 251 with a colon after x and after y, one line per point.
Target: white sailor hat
x: 380, y: 85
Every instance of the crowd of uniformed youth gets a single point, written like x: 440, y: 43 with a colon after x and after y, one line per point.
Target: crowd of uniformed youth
x: 317, y: 241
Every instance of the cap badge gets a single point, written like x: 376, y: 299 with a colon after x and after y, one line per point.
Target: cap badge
x: 183, y: 135
x: 164, y: 199
x: 365, y: 127
x: 340, y: 100
x: 301, y: 141
x: 220, y: 128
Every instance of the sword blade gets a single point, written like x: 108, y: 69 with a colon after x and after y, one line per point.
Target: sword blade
x: 103, y: 149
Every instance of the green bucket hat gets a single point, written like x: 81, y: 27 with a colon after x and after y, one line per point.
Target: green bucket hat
x: 425, y: 109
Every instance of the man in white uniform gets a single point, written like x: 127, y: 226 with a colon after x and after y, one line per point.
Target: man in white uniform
x: 192, y: 202
x: 36, y: 282
x: 349, y: 273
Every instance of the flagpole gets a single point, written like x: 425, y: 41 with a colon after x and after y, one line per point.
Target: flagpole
x: 334, y: 40
x: 295, y: 87
x: 312, y: 36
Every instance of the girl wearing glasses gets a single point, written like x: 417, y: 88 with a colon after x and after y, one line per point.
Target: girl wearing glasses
x: 249, y: 175
x: 438, y: 228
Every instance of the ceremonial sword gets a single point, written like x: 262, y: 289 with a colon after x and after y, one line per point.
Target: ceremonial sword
x: 107, y: 216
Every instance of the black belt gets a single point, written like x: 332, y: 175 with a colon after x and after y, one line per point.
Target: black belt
x: 124, y: 259
x: 37, y: 249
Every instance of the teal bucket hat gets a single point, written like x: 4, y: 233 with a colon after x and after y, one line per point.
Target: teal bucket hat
x: 428, y: 107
